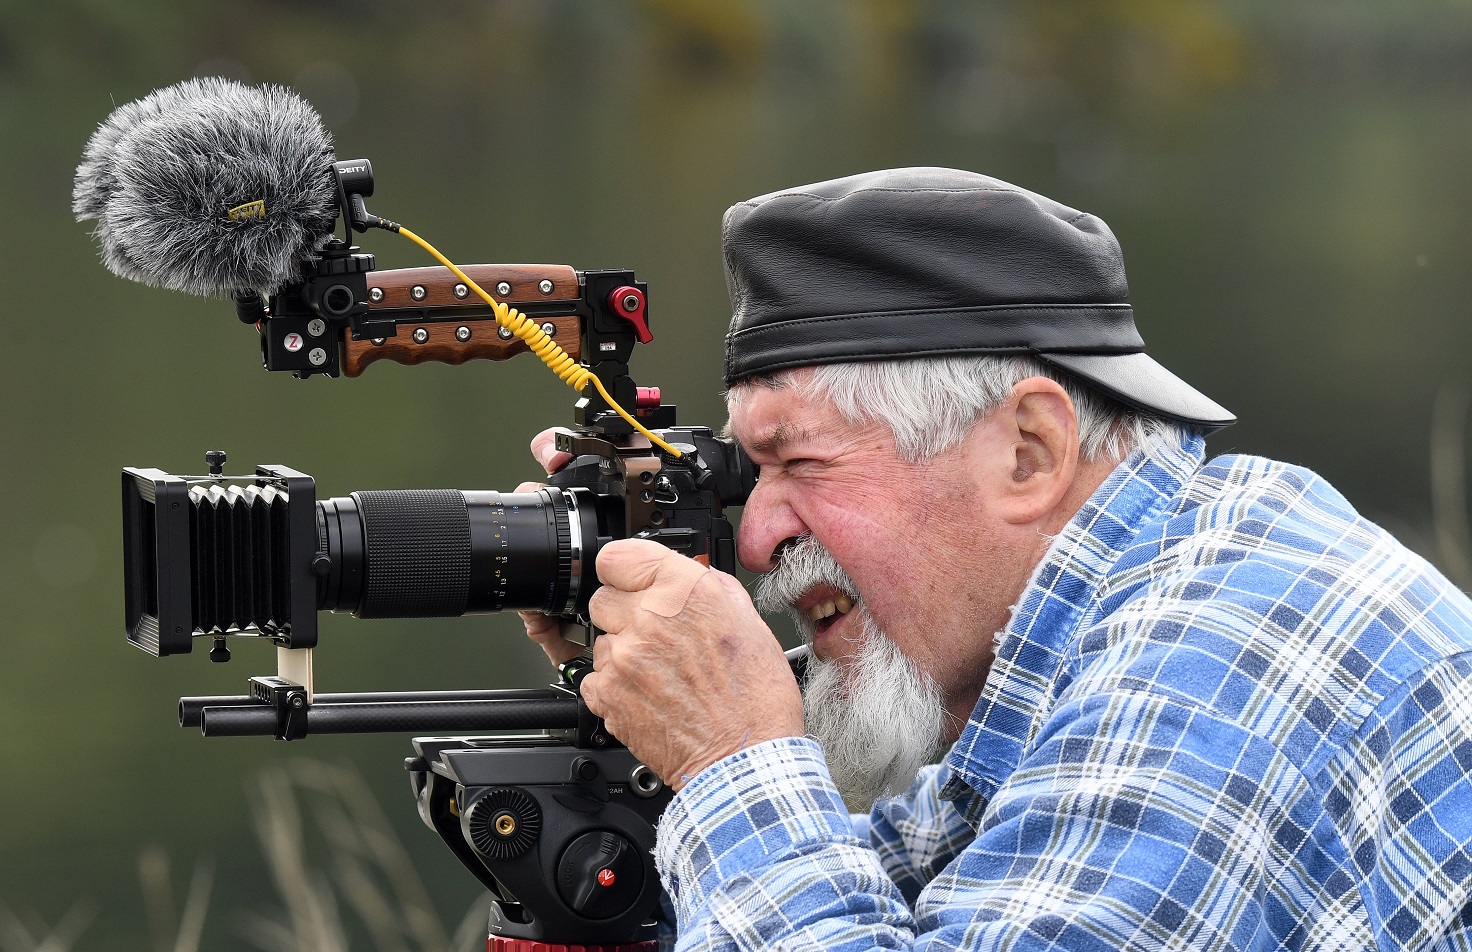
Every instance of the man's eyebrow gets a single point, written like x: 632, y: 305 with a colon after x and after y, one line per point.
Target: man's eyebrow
x: 782, y: 435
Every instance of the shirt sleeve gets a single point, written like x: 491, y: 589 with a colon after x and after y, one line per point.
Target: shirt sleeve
x: 759, y: 852
x: 1134, y: 821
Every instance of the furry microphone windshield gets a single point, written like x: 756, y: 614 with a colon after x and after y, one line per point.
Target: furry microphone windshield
x: 209, y: 187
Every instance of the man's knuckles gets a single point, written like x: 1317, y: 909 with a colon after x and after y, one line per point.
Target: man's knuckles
x: 602, y: 609
x: 603, y: 649
x: 629, y: 565
x: 633, y: 565
x: 595, y: 689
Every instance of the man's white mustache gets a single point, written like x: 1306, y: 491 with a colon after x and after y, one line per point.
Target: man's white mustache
x: 802, y: 566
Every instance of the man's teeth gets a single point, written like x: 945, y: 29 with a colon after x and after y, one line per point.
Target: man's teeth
x: 842, y: 605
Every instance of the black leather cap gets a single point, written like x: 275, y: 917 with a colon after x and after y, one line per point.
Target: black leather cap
x: 928, y: 262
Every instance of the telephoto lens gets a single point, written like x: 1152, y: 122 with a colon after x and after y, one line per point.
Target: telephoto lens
x: 419, y: 553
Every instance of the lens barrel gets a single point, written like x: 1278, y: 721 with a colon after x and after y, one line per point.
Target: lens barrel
x: 418, y: 553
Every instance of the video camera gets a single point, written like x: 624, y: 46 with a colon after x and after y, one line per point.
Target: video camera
x: 558, y: 824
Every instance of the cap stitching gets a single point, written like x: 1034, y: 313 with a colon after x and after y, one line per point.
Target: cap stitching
x: 818, y: 319
x: 809, y: 360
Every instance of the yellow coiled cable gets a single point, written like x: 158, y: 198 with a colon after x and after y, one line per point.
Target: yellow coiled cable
x: 570, y: 371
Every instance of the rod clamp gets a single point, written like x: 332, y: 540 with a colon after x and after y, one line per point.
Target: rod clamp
x: 288, y: 699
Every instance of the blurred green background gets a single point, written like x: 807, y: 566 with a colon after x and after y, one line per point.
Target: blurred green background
x: 1288, y: 180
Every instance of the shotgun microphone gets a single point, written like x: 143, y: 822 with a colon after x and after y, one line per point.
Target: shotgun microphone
x: 209, y: 187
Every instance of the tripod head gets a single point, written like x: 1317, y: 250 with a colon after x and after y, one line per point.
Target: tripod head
x: 558, y: 824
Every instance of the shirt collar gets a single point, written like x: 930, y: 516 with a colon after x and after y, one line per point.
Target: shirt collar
x: 1062, y: 588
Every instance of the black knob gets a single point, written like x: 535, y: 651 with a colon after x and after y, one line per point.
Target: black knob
x: 220, y: 652
x: 575, y: 670
x: 601, y: 875
x: 249, y: 307
x: 215, y: 460
x: 503, y: 823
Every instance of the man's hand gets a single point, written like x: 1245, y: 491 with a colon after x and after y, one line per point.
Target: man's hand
x: 687, y: 672
x: 546, y: 630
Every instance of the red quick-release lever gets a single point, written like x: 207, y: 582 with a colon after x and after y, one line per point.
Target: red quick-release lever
x: 628, y: 303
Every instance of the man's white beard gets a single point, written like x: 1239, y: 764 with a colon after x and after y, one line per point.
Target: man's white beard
x: 878, y: 722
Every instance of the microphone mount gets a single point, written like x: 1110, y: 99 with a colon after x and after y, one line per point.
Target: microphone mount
x: 354, y: 181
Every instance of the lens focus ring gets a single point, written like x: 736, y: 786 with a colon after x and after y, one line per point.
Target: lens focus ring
x: 564, y: 550
x: 417, y: 556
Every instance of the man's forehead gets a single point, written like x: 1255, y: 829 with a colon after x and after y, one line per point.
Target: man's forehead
x: 765, y: 420
x: 763, y: 429
x: 775, y: 437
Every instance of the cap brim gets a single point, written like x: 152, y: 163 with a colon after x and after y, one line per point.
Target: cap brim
x: 1138, y: 381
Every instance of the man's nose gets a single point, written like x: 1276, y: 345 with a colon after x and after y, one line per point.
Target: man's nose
x: 768, y: 525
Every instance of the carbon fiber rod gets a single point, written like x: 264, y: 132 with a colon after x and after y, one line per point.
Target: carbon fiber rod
x: 435, y: 717
x: 190, y: 708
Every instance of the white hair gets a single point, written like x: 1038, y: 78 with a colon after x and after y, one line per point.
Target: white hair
x: 929, y: 405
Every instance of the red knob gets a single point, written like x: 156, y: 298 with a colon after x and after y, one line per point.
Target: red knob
x: 646, y: 398
x: 628, y: 303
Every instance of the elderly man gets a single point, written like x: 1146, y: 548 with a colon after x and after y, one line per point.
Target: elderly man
x: 1187, y: 704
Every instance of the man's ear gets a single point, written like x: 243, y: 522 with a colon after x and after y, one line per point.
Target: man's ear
x: 1043, y: 456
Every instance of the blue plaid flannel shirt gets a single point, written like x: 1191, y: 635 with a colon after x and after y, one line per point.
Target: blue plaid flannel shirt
x: 1228, y: 713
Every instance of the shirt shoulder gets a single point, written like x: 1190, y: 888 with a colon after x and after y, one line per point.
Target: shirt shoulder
x: 1260, y: 593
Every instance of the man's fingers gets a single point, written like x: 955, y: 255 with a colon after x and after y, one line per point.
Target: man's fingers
x: 544, y: 451
x: 610, y: 609
x: 546, y: 631
x: 591, y: 689
x: 639, y: 565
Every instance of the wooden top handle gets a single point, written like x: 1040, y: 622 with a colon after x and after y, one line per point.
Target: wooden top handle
x: 441, y: 320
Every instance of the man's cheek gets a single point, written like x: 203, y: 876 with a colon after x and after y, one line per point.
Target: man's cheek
x: 855, y: 514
